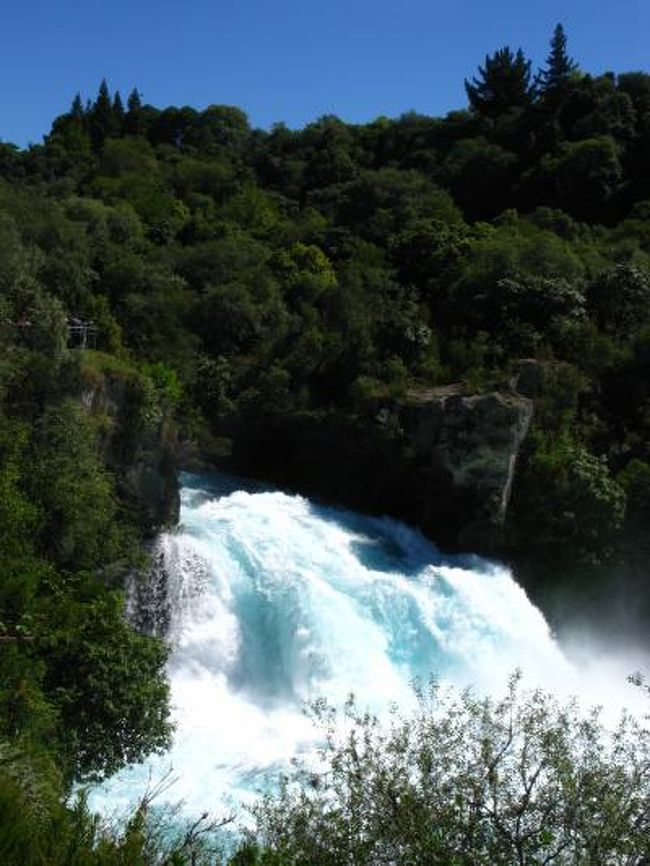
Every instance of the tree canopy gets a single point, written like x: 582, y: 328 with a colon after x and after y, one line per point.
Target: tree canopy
x: 503, y: 83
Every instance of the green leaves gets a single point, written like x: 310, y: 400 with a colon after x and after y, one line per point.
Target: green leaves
x: 620, y: 300
x: 74, y: 490
x: 106, y: 680
x: 588, y: 504
x: 465, y: 781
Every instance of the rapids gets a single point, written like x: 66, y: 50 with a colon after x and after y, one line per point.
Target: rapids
x: 270, y: 601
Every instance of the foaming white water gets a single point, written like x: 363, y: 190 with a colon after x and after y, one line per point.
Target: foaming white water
x: 274, y: 601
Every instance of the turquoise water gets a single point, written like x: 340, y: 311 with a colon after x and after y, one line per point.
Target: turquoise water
x: 274, y: 601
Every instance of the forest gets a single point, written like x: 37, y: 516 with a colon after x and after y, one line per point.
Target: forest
x: 232, y: 279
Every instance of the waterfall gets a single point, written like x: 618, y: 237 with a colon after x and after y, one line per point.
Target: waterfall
x: 270, y: 601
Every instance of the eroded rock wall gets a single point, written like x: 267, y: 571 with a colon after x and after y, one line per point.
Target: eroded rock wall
x: 137, y: 439
x: 467, y: 447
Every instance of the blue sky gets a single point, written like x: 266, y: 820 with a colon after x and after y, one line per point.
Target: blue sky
x: 287, y: 60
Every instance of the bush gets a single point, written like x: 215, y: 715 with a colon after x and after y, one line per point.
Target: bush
x: 620, y: 299
x: 464, y: 781
x: 567, y: 506
x: 106, y: 681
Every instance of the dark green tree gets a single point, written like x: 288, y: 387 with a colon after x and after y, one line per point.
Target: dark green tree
x: 503, y: 84
x: 478, y: 174
x: 582, y: 177
x: 106, y: 681
x: 560, y: 68
x: 134, y: 121
x: 102, y: 119
x: 77, y: 107
x: 589, y: 504
x: 118, y: 112
x: 134, y: 102
x: 74, y: 491
x: 620, y: 300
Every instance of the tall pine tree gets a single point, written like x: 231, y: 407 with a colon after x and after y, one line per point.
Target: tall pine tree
x: 102, y: 119
x: 77, y: 107
x: 134, y: 121
x: 134, y: 101
x: 560, y: 68
x: 118, y: 113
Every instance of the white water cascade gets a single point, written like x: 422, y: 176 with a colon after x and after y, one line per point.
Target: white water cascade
x: 270, y: 601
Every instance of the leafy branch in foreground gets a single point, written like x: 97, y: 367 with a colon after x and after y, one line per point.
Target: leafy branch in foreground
x: 37, y: 828
x: 522, y: 780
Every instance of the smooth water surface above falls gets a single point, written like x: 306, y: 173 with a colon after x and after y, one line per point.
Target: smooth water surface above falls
x: 272, y: 601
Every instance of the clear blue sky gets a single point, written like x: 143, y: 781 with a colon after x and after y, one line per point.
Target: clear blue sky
x: 289, y: 60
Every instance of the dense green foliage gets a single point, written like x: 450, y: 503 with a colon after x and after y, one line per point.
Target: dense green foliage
x: 81, y: 693
x: 523, y: 780
x: 299, y: 282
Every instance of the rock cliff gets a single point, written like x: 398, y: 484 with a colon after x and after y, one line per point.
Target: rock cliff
x: 466, y: 447
x: 439, y: 459
x: 137, y: 440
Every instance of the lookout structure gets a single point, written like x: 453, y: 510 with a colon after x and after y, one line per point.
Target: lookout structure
x: 82, y: 333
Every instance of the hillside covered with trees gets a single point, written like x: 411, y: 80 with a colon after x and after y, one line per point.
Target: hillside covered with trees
x: 298, y: 281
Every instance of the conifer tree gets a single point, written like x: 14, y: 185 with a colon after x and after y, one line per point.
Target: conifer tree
x: 77, y: 107
x: 103, y: 101
x: 502, y: 84
x: 134, y: 122
x: 134, y: 103
x: 118, y: 113
x: 102, y: 121
x: 560, y: 68
x: 118, y: 105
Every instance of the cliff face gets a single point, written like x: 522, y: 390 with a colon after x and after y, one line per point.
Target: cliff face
x: 439, y: 459
x: 466, y: 448
x: 137, y: 440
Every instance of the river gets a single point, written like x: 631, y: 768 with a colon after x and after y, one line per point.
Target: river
x: 270, y: 601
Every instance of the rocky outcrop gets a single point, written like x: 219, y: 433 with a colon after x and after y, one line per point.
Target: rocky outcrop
x: 530, y: 377
x: 466, y: 447
x: 441, y: 459
x: 137, y: 440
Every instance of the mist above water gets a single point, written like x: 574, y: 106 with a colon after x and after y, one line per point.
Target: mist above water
x: 271, y: 601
